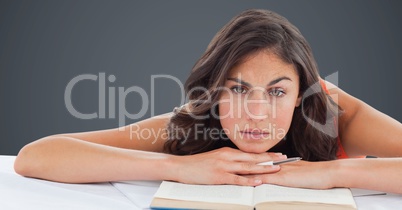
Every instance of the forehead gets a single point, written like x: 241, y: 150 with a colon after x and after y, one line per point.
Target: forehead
x: 263, y: 65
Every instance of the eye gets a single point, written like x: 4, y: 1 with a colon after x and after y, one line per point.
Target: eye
x: 239, y: 89
x: 276, y: 92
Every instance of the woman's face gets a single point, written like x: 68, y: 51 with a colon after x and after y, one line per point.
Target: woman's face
x: 258, y: 100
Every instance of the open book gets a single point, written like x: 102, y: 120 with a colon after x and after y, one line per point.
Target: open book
x: 266, y: 196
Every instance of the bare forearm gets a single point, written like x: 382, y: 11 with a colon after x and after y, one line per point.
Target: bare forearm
x: 383, y: 174
x: 66, y: 159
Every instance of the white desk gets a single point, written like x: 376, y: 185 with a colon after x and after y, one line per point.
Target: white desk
x: 17, y: 192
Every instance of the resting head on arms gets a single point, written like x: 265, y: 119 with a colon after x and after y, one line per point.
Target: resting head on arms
x: 254, y: 95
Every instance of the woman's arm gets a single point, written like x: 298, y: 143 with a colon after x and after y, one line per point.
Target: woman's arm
x: 104, y: 155
x: 71, y: 160
x: 382, y: 174
x: 115, y: 154
x: 363, y: 131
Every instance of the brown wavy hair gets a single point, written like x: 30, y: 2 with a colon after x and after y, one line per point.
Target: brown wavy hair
x: 251, y: 31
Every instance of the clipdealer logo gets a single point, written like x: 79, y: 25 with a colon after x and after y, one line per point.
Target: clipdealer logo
x: 122, y: 94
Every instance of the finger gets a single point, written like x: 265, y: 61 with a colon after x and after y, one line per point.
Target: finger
x: 250, y: 168
x: 241, y: 180
x: 253, y: 157
x: 273, y: 178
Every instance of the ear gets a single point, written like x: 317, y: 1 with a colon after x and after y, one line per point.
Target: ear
x: 298, y: 101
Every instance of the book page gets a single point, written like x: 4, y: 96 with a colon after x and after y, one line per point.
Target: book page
x: 206, y: 193
x: 267, y: 192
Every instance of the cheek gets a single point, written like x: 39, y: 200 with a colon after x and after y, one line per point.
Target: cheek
x: 229, y: 113
x: 228, y: 106
x: 226, y: 113
x: 283, y: 115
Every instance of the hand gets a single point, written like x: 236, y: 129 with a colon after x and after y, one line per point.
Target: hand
x: 303, y: 174
x: 223, y: 166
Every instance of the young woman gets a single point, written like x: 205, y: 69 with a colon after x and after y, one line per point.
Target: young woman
x: 255, y: 95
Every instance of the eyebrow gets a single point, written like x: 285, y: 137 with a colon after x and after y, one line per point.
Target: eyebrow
x: 273, y: 82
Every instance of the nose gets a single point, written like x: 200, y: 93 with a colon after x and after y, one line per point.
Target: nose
x: 257, y: 105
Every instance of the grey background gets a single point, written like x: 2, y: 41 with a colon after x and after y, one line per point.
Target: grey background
x: 45, y: 44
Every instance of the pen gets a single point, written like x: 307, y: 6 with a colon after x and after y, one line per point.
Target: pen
x: 270, y: 163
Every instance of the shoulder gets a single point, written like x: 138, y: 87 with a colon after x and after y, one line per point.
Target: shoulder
x: 349, y: 104
x: 363, y: 130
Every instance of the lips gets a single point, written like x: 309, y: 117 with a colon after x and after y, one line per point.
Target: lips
x: 254, y: 134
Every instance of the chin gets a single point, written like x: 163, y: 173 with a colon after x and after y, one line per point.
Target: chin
x: 256, y: 148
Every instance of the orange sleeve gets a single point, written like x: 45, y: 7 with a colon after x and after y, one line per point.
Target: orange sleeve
x: 341, y: 154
